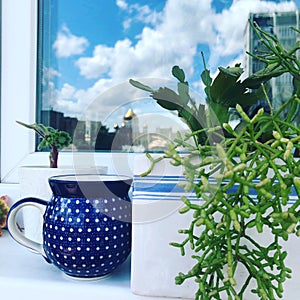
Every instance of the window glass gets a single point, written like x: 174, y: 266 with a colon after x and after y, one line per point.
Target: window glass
x: 88, y: 50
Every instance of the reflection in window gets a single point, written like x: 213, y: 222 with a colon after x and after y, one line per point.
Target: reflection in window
x: 88, y: 50
x: 78, y: 89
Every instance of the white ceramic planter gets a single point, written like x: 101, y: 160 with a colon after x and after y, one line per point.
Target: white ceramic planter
x: 156, y: 221
x: 34, y: 183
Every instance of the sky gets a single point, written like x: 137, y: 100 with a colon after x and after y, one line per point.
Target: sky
x: 96, y: 46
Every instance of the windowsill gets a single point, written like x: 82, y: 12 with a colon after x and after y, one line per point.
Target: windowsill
x: 116, y: 162
x: 26, y: 275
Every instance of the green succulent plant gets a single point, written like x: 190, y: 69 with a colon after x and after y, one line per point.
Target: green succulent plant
x: 255, y: 158
x: 50, y: 138
x: 223, y: 93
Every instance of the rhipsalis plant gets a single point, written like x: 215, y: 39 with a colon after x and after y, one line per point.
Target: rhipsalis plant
x: 50, y: 138
x: 247, y: 181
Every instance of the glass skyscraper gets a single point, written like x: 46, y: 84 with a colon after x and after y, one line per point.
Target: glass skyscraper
x: 279, y: 24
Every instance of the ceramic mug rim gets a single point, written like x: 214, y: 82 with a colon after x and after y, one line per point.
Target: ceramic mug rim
x: 85, y: 178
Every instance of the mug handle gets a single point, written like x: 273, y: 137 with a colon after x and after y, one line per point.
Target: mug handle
x: 15, y: 231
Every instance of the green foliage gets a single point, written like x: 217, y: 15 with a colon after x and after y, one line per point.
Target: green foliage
x: 257, y: 158
x: 59, y: 139
x: 226, y: 219
x: 180, y: 101
x: 222, y: 94
x: 50, y: 138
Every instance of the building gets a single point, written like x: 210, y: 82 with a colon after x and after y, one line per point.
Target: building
x: 278, y: 24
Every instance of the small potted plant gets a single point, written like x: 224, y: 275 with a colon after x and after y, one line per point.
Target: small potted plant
x: 50, y: 138
x: 241, y: 189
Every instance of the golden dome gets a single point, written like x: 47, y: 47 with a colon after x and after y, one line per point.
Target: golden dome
x: 129, y: 115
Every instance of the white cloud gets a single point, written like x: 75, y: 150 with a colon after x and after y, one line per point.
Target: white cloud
x: 49, y: 74
x: 145, y: 15
x: 172, y: 39
x: 68, y: 44
x: 169, y: 42
x: 122, y: 4
x: 98, y: 64
x: 138, y: 13
x: 67, y: 91
x: 127, y: 24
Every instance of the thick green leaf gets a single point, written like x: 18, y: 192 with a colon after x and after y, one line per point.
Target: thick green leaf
x: 167, y: 98
x: 141, y: 86
x: 218, y: 114
x: 225, y: 79
x: 195, y: 121
x: 206, y: 79
x: 238, y: 94
x: 183, y: 91
x: 178, y: 73
x: 255, y: 80
x: 235, y: 71
x: 207, y: 93
x: 30, y: 126
x: 233, y: 92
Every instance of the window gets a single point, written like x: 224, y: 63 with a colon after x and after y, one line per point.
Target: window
x: 153, y: 36
x: 86, y: 54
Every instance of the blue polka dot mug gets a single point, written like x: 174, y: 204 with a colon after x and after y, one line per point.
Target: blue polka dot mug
x: 87, y: 224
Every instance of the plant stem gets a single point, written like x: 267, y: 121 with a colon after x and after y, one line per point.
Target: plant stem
x: 53, y: 156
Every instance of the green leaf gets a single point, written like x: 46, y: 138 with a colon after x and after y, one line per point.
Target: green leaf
x: 206, y: 79
x: 195, y: 121
x: 248, y: 98
x: 48, y: 129
x: 42, y: 144
x: 178, y: 73
x: 63, y: 139
x: 183, y: 91
x: 207, y: 93
x: 38, y: 128
x: 141, y: 86
x: 238, y: 94
x: 49, y: 136
x: 235, y: 71
x: 167, y: 98
x: 226, y: 78
x: 30, y: 126
x: 218, y: 114
x: 255, y: 80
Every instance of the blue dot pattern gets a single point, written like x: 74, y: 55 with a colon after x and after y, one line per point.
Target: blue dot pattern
x: 87, y: 237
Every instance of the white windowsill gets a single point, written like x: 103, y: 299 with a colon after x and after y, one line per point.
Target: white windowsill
x: 116, y: 163
x: 27, y: 276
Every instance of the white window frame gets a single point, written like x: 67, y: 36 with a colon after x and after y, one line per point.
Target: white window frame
x: 18, y: 73
x: 18, y: 97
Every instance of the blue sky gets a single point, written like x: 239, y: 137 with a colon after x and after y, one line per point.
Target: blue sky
x: 99, y: 45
